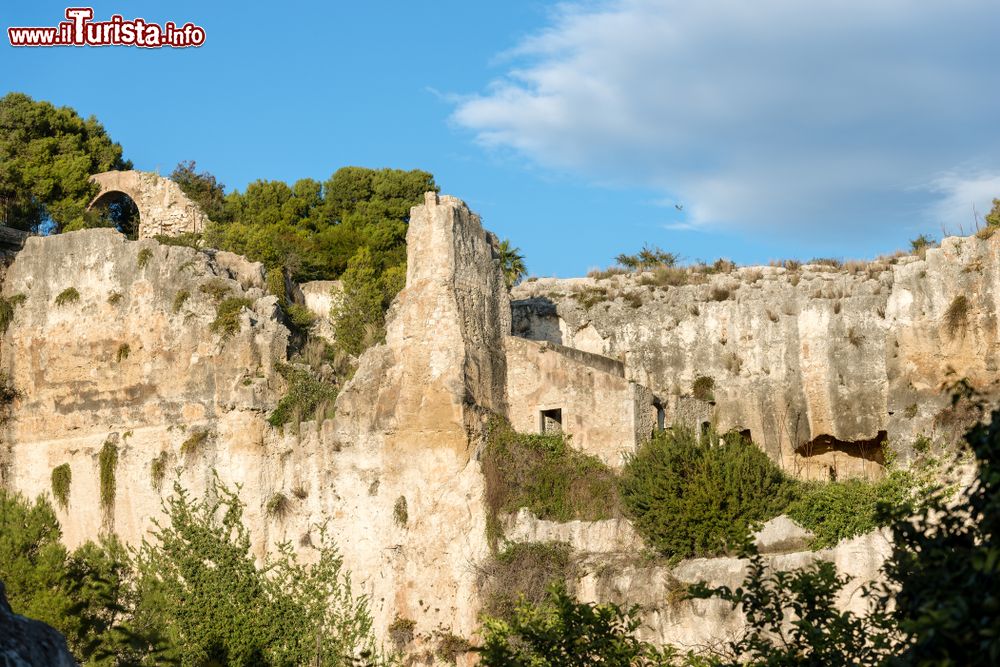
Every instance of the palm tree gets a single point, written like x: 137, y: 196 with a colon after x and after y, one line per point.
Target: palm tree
x: 511, y: 263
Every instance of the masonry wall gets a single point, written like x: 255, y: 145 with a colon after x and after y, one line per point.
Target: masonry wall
x: 605, y: 414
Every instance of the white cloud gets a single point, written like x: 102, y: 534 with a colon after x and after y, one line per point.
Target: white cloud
x: 828, y: 114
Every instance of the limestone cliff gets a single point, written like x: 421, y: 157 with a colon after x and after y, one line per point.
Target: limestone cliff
x: 818, y: 363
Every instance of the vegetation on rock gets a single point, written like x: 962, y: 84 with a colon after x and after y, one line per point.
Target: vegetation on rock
x: 68, y: 295
x: 48, y: 154
x: 62, y: 477
x: 307, y: 397
x: 544, y: 474
x: 227, y: 316
x: 7, y: 308
x: 108, y: 465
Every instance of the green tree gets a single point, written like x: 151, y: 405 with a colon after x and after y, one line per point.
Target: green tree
x: 197, y: 580
x: 359, y: 315
x: 511, y: 263
x: 202, y: 188
x: 47, y: 155
x: 993, y: 217
x: 83, y: 594
x: 692, y: 495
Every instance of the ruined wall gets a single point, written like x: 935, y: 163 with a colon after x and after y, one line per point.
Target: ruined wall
x: 601, y: 411
x: 821, y: 359
x: 164, y: 209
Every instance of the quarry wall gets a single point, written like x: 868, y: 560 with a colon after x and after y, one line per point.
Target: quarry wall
x: 819, y: 364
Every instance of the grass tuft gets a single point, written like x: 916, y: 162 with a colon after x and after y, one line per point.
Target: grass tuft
x: 193, y: 443
x: 67, y: 296
x: 180, y: 299
x: 278, y: 506
x: 400, y: 514
x: 143, y: 257
x: 108, y: 464
x: 123, y: 351
x: 227, y: 316
x: 956, y: 317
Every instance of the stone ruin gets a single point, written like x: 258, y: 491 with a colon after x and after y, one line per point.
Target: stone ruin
x: 164, y: 209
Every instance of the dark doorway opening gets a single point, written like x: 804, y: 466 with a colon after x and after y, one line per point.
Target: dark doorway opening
x: 551, y: 421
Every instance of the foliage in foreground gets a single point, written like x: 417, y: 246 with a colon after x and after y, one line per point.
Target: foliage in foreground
x: 563, y: 632
x: 190, y: 595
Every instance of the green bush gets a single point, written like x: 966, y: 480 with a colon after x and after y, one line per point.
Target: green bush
x: 306, y: 396
x: 274, y: 279
x: 62, y: 476
x: 694, y: 495
x: 834, y: 511
x: 68, y: 295
x: 545, y: 475
x: 301, y: 317
x: 215, y: 288
x: 703, y: 388
x: 563, y: 632
x: 227, y: 316
x: 184, y: 239
x: 142, y: 259
x: 198, y: 584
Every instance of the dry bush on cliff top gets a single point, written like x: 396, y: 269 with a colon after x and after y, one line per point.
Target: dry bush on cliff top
x: 523, y: 572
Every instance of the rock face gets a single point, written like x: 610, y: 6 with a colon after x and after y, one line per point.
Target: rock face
x: 163, y: 206
x: 818, y: 364
x: 118, y: 344
x: 28, y: 643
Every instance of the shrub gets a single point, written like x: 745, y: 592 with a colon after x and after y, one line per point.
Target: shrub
x: 115, y: 298
x: 7, y: 307
x: 8, y: 392
x: 158, y: 471
x: 199, y: 584
x: 648, y: 258
x: 719, y: 294
x: 835, y: 511
x: 227, y: 316
x: 400, y: 514
x: 278, y: 505
x: 215, y: 288
x: 911, y: 411
x: 920, y: 244
x: 108, y: 464
x: 300, y: 492
x: 562, y: 631
x: 62, y: 476
x: 591, y: 296
x: 690, y: 495
x: 184, y: 239
x: 666, y: 276
x: 956, y: 315
x: 545, y: 475
x: 274, y: 280
x: 142, y: 259
x: 854, y: 338
x: 306, y: 395
x: 301, y: 317
x: 450, y: 646
x: 523, y: 572
x: 67, y: 296
x: 180, y: 299
x: 194, y: 442
x: 703, y: 388
x: 123, y: 351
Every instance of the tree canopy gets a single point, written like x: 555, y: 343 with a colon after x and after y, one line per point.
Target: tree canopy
x: 47, y: 155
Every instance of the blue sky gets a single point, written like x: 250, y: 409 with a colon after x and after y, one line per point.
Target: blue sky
x: 779, y: 128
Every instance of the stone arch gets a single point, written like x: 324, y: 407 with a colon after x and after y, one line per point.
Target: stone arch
x: 163, y: 207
